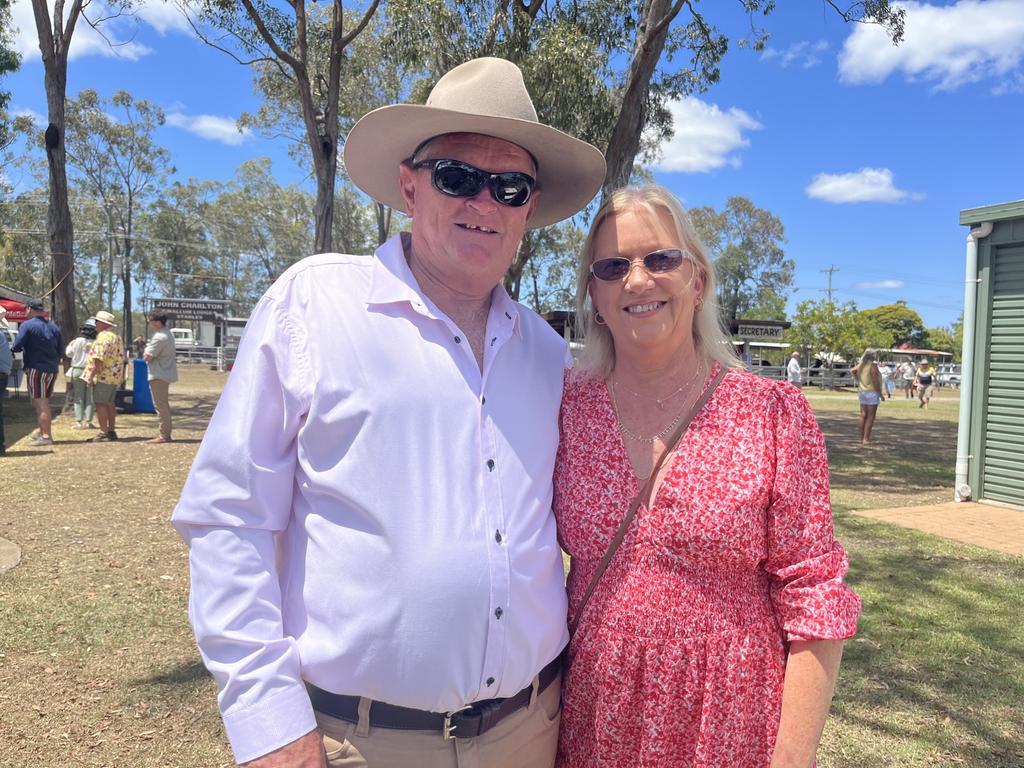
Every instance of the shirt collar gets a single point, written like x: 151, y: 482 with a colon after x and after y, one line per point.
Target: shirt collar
x: 393, y: 282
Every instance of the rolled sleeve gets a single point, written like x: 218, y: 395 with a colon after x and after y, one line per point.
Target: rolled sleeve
x: 804, y: 560
x: 238, y: 496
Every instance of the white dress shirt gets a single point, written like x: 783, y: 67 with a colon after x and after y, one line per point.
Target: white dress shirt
x: 369, y: 511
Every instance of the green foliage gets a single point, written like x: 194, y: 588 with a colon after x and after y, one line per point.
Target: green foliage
x: 901, y: 321
x: 746, y: 245
x: 838, y: 330
x: 940, y: 339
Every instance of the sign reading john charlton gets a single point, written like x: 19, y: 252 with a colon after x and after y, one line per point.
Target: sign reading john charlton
x: 192, y: 309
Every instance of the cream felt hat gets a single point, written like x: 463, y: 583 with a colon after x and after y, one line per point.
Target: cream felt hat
x: 105, y: 317
x: 485, y: 96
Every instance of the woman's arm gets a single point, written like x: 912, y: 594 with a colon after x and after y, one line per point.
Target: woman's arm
x: 811, y: 671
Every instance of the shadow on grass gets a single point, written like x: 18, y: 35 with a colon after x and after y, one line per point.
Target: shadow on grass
x: 185, y: 673
x: 194, y: 413
x: 939, y: 652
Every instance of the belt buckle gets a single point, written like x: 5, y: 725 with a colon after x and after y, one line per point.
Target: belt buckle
x: 448, y: 729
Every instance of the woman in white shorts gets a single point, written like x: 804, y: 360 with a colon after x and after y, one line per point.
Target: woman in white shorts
x: 869, y: 392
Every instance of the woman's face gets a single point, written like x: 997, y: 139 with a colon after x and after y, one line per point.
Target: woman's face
x: 646, y: 313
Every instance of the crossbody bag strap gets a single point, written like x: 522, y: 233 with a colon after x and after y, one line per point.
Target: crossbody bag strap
x: 620, y: 534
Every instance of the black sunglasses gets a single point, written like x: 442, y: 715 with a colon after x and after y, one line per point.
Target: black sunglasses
x: 617, y: 267
x: 457, y: 179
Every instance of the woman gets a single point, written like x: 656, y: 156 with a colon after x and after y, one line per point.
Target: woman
x: 925, y: 383
x: 715, y: 634
x: 869, y: 392
x: 160, y: 356
x: 78, y: 351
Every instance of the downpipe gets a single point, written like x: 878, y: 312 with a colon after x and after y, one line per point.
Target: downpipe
x: 962, y: 489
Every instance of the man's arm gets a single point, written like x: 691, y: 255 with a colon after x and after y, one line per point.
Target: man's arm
x: 305, y: 752
x: 236, y: 500
x: 19, y: 340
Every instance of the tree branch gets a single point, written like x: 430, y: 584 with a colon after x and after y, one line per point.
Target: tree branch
x: 216, y: 46
x: 362, y: 24
x: 268, y: 38
x: 671, y: 13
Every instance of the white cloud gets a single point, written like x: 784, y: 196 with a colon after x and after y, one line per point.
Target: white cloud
x: 88, y: 42
x: 222, y: 129
x: 805, y: 53
x: 880, y: 284
x: 37, y: 119
x: 949, y: 46
x: 868, y: 185
x: 705, y: 137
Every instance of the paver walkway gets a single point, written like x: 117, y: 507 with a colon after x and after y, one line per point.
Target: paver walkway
x: 10, y: 555
x: 983, y: 525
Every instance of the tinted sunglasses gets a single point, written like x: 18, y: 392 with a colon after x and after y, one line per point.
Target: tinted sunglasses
x: 657, y: 262
x: 457, y: 179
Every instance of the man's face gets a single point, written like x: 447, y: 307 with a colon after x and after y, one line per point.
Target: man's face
x: 465, y: 244
x: 101, y: 326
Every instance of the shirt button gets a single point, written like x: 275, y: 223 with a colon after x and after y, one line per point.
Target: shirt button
x: 458, y: 340
x: 490, y: 681
x: 497, y: 536
x: 483, y: 400
x: 490, y: 464
x: 498, y: 612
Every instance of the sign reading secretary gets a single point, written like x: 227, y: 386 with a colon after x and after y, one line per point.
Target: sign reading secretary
x: 192, y: 309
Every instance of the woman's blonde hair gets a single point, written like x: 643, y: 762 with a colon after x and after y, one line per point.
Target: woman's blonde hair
x: 710, y: 341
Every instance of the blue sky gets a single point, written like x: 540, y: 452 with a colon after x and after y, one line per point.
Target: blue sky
x: 866, y: 152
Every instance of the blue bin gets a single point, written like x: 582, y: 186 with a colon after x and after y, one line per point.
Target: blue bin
x: 142, y: 398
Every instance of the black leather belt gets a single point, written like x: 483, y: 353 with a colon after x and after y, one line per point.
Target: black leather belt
x: 472, y: 720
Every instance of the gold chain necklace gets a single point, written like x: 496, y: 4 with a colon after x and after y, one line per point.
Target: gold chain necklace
x: 660, y: 401
x: 627, y: 432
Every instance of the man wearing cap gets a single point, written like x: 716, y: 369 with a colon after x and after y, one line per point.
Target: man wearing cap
x: 375, y: 574
x: 104, y: 371
x: 40, y: 342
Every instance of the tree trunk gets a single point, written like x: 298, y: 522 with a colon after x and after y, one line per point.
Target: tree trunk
x: 625, y: 141
x: 58, y: 215
x: 325, y: 160
x: 383, y: 222
x: 126, y: 276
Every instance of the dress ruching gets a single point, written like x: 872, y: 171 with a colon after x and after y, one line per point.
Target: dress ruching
x: 680, y: 654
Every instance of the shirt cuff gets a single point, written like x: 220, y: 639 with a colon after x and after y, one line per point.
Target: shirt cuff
x: 269, y: 724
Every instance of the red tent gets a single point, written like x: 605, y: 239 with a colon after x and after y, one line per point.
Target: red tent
x: 16, y: 311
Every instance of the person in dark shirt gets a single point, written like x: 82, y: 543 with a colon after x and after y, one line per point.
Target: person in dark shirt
x: 40, y: 341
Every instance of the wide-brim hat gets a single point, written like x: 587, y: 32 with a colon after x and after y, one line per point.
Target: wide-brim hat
x: 105, y: 317
x: 485, y: 96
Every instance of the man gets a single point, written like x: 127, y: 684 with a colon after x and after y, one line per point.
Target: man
x: 6, y: 364
x: 888, y: 386
x: 104, y: 372
x: 908, y: 372
x: 159, y: 354
x: 40, y: 341
x: 793, y: 371
x: 372, y: 546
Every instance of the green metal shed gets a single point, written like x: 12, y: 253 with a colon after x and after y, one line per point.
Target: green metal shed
x: 992, y: 400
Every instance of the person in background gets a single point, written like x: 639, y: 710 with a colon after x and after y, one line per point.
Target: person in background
x: 78, y: 352
x: 6, y: 364
x: 907, y: 373
x: 793, y: 372
x: 375, y: 574
x: 104, y: 372
x: 160, y: 356
x: 924, y: 381
x: 714, y: 637
x: 40, y: 341
x: 888, y: 385
x: 869, y: 392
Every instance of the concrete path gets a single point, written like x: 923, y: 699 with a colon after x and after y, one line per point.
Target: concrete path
x: 10, y: 555
x: 984, y: 525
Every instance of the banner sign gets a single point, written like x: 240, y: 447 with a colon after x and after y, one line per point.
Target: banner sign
x: 759, y: 332
x: 192, y: 309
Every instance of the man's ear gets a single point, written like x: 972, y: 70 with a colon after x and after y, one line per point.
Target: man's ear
x: 407, y: 183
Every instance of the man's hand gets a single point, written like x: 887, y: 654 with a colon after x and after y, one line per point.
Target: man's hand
x: 304, y: 752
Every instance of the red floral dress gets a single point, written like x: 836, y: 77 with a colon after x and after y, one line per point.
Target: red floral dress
x: 679, y: 657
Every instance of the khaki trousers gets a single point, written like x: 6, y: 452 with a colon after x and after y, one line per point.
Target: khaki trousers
x: 526, y: 739
x: 161, y: 392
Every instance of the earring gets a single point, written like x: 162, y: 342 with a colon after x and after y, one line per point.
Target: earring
x: 699, y: 305
x: 598, y: 319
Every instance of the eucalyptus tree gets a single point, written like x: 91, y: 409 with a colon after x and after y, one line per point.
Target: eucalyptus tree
x: 55, y: 28
x: 260, y: 33
x: 9, y: 62
x: 746, y: 244
x: 115, y: 160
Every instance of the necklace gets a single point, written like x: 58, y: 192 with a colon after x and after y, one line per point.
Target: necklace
x: 660, y: 401
x: 627, y: 432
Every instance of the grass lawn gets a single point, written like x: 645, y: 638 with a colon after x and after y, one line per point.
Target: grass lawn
x: 98, y: 666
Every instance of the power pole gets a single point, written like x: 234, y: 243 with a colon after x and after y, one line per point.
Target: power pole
x: 830, y: 270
